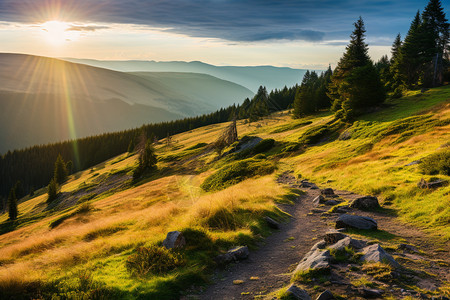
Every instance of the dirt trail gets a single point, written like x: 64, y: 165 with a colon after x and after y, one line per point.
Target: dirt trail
x: 276, y: 258
x: 279, y: 254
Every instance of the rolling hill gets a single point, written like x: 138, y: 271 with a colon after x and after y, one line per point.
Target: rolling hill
x: 250, y: 77
x: 46, y: 100
x: 84, y: 243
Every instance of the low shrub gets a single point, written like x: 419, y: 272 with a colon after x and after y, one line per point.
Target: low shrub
x: 436, y: 163
x: 236, y: 172
x: 263, y: 146
x: 153, y: 260
x: 197, y: 146
x: 314, y: 135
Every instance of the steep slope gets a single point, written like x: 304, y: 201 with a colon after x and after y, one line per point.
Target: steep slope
x: 102, y: 218
x: 250, y: 77
x: 48, y: 100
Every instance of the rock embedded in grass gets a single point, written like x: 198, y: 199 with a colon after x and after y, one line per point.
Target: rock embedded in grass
x: 365, y: 203
x: 348, y: 242
x: 174, y: 239
x: 294, y: 292
x: 235, y: 254
x: 328, y: 192
x: 357, y: 222
x: 315, y: 260
x: 327, y: 295
x: 375, y: 253
x: 318, y: 200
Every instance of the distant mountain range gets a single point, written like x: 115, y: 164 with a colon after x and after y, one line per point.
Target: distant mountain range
x: 47, y: 100
x: 250, y: 77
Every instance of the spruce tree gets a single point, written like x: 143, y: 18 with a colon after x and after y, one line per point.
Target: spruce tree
x: 397, y: 81
x: 52, y: 190
x: 147, y: 160
x: 355, y: 84
x: 12, y: 205
x: 60, y: 170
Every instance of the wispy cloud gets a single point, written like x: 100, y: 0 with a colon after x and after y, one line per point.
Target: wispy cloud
x: 232, y: 20
x: 86, y: 28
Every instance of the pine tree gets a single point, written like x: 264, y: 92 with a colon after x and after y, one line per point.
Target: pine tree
x: 397, y: 82
x: 355, y: 84
x: 435, y: 38
x: 52, y: 190
x: 60, y: 171
x: 12, y: 205
x: 147, y: 160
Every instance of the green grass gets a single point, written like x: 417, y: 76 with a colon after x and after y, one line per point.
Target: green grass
x: 236, y: 172
x: 436, y: 163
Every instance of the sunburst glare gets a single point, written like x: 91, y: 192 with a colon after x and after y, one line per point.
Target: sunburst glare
x: 57, y: 33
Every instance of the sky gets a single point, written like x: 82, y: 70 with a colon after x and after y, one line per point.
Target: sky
x: 291, y: 33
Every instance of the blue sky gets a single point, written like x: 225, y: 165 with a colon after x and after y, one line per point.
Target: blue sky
x: 258, y: 30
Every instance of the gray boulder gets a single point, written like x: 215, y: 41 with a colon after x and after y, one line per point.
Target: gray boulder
x: 331, y: 237
x: 315, y: 260
x: 423, y: 184
x: 174, y: 239
x: 348, y: 242
x: 365, y: 203
x: 327, y: 295
x: 358, y: 222
x: 297, y: 293
x: 375, y: 253
x: 319, y: 245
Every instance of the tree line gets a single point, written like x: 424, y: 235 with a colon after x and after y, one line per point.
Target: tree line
x: 33, y: 167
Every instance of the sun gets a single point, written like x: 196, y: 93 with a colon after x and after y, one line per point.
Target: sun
x: 57, y: 33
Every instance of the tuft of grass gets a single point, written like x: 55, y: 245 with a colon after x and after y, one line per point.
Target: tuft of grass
x: 236, y: 172
x: 436, y: 163
x: 363, y: 281
x: 308, y: 275
x: 342, y: 255
x: 153, y: 260
x: 379, y: 271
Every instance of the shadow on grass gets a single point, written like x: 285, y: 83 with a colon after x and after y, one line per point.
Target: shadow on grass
x: 380, y: 235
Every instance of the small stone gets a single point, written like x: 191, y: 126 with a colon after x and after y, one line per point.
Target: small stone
x: 254, y: 278
x: 365, y: 203
x: 318, y: 200
x: 331, y: 202
x: 297, y: 293
x: 371, y: 293
x: 348, y: 242
x: 237, y: 282
x: 327, y: 295
x: 272, y: 223
x: 328, y: 192
x: 174, y: 239
x: 235, y: 254
x: 331, y: 237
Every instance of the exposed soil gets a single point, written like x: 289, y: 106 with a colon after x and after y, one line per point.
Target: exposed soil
x: 270, y: 267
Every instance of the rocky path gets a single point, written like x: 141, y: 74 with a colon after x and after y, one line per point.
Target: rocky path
x: 270, y: 267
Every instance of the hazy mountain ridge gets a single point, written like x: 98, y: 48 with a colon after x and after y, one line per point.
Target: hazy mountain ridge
x: 249, y: 76
x: 40, y: 95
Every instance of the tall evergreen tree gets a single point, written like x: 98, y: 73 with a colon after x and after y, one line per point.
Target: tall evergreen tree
x: 52, y: 190
x: 12, y: 205
x: 396, y: 82
x: 355, y: 84
x: 410, y: 53
x: 435, y: 39
x: 60, y: 171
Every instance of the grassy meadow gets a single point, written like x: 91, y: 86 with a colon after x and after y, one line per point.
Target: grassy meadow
x: 79, y: 247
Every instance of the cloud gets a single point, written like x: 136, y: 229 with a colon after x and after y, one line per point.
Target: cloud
x: 86, y: 28
x: 232, y: 20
